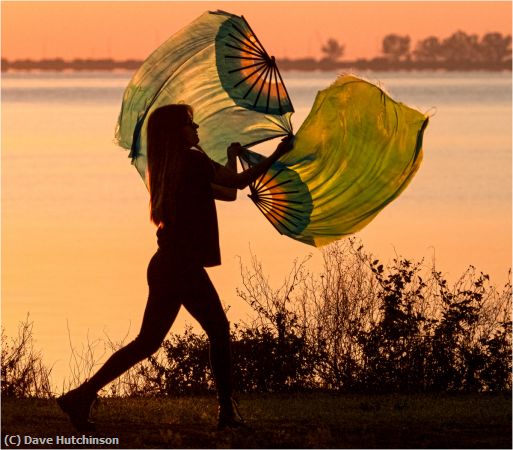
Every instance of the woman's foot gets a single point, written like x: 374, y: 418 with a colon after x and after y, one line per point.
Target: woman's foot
x: 77, y: 405
x: 229, y: 416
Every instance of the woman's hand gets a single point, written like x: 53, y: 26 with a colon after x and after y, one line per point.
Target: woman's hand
x: 234, y: 150
x: 285, y: 146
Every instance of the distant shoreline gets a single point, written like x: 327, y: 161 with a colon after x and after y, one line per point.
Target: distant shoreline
x: 305, y: 65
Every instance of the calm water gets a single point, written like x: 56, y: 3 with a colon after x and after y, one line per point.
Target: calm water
x: 76, y: 237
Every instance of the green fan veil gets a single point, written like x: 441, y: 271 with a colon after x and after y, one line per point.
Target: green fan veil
x: 217, y: 65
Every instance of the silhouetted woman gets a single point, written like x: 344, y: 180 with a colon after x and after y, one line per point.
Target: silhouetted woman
x: 184, y: 182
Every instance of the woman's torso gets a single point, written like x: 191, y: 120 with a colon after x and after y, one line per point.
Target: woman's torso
x: 189, y: 230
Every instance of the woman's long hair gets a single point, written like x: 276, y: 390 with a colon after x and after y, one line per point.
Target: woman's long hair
x: 165, y: 149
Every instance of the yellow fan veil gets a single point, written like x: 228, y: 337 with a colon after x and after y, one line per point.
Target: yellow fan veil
x: 357, y: 150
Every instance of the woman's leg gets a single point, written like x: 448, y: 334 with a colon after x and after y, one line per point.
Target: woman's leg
x: 161, y: 310
x: 203, y: 303
x: 159, y: 315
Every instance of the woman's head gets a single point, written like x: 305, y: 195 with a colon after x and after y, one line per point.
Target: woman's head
x: 172, y: 126
x: 170, y: 131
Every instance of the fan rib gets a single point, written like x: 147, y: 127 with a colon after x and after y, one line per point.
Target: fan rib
x: 260, y: 75
x: 269, y: 188
x: 261, y: 86
x: 253, y: 34
x: 280, y: 218
x: 285, y: 89
x: 285, y: 204
x: 257, y: 182
x: 246, y: 67
x: 280, y: 200
x: 284, y: 215
x: 243, y: 57
x: 269, y: 88
x: 255, y: 44
x: 249, y: 76
x: 277, y: 89
x: 270, y: 221
x: 261, y: 187
x: 246, y: 42
x: 283, y: 210
x: 243, y: 50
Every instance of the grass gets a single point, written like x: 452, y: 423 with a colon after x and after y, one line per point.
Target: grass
x: 284, y: 421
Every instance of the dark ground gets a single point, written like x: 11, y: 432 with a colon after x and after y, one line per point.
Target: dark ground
x: 281, y: 421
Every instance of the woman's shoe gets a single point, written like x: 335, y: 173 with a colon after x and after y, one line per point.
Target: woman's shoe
x: 77, y: 405
x: 229, y: 416
x: 225, y: 422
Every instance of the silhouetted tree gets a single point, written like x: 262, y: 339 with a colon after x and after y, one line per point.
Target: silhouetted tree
x: 333, y: 50
x: 428, y: 50
x: 495, y: 48
x: 396, y: 47
x: 461, y: 47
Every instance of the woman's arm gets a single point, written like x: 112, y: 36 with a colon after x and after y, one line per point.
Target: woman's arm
x: 227, y: 194
x: 232, y: 179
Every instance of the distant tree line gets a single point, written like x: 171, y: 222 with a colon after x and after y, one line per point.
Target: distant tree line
x: 459, y: 48
x: 59, y: 64
x: 460, y: 51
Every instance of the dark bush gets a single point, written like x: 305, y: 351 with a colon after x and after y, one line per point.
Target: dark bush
x: 23, y: 372
x: 359, y: 325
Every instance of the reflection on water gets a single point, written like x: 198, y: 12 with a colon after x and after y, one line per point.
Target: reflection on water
x: 76, y: 236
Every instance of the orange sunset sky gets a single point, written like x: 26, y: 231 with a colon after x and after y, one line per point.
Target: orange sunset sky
x: 131, y: 29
